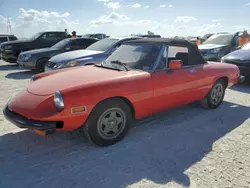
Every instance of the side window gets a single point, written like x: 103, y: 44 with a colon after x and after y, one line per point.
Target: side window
x: 99, y: 36
x: 49, y: 37
x: 61, y: 36
x: 74, y: 44
x: 3, y: 39
x: 11, y: 38
x: 84, y: 43
x: 178, y: 53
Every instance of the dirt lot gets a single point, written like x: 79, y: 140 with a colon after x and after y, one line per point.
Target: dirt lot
x: 185, y: 147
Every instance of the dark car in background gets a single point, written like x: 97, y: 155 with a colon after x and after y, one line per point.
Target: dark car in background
x: 150, y: 36
x: 96, y: 35
x: 95, y: 53
x: 9, y: 51
x: 6, y: 38
x: 241, y: 58
x: 36, y: 59
x: 202, y: 39
x: 217, y: 46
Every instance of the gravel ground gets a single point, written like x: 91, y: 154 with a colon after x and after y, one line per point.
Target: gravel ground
x: 184, y: 147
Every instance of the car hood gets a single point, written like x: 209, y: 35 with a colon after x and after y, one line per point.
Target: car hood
x: 70, y: 56
x: 16, y: 42
x: 83, y: 77
x: 209, y: 46
x: 239, y: 54
x: 42, y: 50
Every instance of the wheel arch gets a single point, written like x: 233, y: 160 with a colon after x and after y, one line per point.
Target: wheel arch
x: 122, y: 98
x: 40, y: 58
x: 224, y: 79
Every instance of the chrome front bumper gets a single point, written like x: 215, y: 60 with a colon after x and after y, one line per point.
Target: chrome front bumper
x: 241, y: 79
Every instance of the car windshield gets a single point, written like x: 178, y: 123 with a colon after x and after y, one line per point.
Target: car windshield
x: 3, y: 39
x: 102, y: 45
x: 219, y: 39
x: 136, y: 56
x: 36, y: 36
x: 246, y: 46
x: 61, y: 44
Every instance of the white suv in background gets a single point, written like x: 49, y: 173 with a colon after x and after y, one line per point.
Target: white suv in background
x: 6, y: 38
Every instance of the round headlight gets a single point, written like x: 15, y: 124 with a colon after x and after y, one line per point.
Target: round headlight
x: 58, y: 100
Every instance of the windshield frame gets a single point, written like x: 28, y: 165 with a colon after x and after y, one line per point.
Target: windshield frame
x: 151, y: 70
x: 36, y: 36
x: 106, y: 50
x: 216, y: 36
x: 61, y: 42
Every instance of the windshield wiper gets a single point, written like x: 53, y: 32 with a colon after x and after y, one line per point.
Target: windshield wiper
x: 120, y: 63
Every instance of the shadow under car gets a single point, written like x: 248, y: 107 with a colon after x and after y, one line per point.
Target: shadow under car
x: 20, y: 75
x: 160, y: 149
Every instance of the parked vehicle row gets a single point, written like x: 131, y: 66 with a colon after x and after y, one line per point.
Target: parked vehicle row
x: 95, y: 53
x: 50, y: 55
x: 96, y: 35
x: 141, y: 77
x: 9, y: 51
x: 36, y: 59
x: 217, y: 46
x: 241, y: 58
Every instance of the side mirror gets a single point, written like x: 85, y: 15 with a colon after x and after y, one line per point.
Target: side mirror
x: 175, y: 64
x: 67, y: 48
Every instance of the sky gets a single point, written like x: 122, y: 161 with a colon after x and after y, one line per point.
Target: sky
x: 124, y: 17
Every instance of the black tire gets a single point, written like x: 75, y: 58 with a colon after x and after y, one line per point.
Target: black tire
x: 92, y: 126
x: 40, y: 64
x: 209, y: 102
x: 247, y: 80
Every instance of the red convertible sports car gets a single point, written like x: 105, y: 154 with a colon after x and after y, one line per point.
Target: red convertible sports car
x: 142, y: 77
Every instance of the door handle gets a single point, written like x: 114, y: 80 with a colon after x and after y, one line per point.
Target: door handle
x: 192, y: 70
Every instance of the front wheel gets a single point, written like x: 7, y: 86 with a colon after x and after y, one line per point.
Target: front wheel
x: 215, y: 96
x: 108, y: 123
x: 40, y: 65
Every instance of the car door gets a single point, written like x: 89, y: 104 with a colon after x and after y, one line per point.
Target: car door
x: 178, y: 87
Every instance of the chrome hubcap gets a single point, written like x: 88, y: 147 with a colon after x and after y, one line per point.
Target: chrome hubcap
x: 111, y: 123
x: 217, y: 94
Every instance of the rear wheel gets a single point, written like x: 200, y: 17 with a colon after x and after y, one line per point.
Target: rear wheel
x: 108, y: 123
x: 40, y: 64
x: 215, y: 96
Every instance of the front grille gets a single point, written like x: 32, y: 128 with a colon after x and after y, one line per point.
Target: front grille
x: 50, y: 64
x: 1, y: 49
x: 20, y: 58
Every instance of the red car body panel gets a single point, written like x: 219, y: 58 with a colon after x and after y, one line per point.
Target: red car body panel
x: 147, y: 92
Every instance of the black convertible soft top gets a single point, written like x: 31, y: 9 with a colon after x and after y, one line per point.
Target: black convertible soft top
x: 194, y: 55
